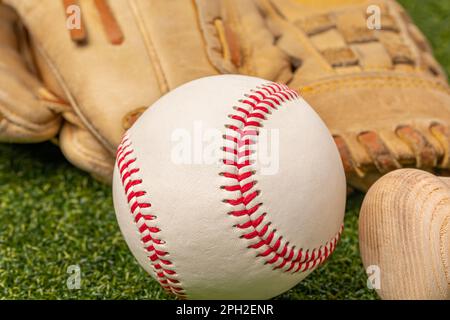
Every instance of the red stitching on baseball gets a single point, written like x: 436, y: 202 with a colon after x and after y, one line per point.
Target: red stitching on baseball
x: 132, y: 184
x: 248, y: 117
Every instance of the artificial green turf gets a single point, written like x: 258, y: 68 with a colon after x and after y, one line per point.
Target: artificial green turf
x: 53, y: 216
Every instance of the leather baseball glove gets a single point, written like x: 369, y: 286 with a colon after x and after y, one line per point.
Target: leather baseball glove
x: 378, y: 88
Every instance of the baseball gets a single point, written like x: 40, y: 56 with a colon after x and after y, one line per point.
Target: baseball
x: 229, y: 187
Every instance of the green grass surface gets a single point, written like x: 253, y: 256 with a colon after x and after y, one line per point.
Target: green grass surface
x: 53, y: 216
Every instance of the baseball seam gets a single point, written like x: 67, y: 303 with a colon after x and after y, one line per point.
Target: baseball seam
x: 240, y: 174
x: 145, y: 220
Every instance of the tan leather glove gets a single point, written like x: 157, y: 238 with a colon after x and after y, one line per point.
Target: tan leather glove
x: 128, y: 53
x: 381, y: 92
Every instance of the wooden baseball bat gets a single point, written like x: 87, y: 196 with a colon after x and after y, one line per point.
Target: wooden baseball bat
x: 404, y: 235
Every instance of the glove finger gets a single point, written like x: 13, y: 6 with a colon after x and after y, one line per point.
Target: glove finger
x: 238, y: 40
x: 26, y: 113
x: 84, y: 151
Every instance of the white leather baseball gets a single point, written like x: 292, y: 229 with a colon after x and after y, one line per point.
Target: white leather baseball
x: 225, y: 230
